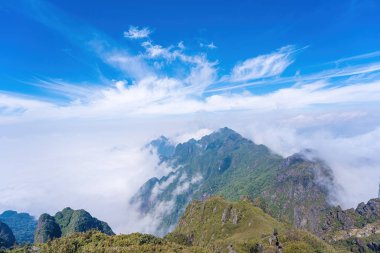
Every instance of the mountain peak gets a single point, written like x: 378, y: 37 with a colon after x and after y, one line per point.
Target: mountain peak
x: 163, y: 147
x: 8, y: 213
x: 227, y: 130
x: 221, y: 135
x: 224, y: 132
x: 67, y: 222
x: 67, y: 209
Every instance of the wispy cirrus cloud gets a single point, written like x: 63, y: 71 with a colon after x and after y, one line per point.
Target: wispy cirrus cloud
x: 209, y: 45
x: 358, y: 57
x: 263, y: 66
x: 368, y: 71
x: 135, y: 32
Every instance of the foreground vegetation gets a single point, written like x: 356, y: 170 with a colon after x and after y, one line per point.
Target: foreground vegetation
x: 214, y: 225
x: 94, y: 241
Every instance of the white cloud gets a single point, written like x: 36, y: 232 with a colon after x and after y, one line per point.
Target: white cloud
x: 263, y: 66
x: 358, y: 57
x: 158, y: 51
x: 197, y: 135
x: 181, y: 45
x: 350, y: 154
x: 165, y: 96
x: 86, y: 167
x: 201, y: 72
x: 209, y: 46
x: 132, y: 66
x: 161, y: 186
x: 135, y: 32
x: 150, y: 222
x: 10, y: 102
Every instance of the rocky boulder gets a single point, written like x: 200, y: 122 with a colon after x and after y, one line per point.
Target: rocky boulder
x: 370, y: 212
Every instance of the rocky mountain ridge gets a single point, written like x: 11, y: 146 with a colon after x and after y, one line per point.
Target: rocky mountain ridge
x: 336, y: 219
x: 227, y: 164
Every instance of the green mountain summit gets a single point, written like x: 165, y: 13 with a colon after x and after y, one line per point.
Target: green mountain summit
x: 67, y: 222
x: 293, y: 189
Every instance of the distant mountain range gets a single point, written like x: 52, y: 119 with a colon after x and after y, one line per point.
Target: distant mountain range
x: 22, y: 228
x: 23, y: 225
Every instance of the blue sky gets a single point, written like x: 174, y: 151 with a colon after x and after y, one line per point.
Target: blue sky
x: 33, y: 47
x: 84, y: 85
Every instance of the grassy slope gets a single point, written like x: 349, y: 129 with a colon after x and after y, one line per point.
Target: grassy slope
x: 203, y: 220
x: 244, y: 227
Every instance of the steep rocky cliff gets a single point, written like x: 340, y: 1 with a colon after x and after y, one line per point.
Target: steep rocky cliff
x: 357, y: 230
x: 300, y: 192
x: 47, y: 229
x: 336, y: 219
